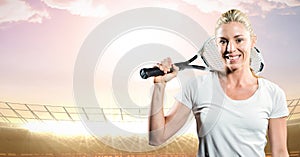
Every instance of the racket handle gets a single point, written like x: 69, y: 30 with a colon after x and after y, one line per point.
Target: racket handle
x: 150, y: 72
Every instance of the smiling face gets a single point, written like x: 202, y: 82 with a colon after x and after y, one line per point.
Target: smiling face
x: 235, y: 43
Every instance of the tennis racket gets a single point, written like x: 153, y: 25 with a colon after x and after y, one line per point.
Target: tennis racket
x: 212, y: 59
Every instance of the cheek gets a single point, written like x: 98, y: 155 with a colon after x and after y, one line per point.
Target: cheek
x: 245, y: 49
x: 221, y: 50
x: 246, y: 53
x: 248, y: 45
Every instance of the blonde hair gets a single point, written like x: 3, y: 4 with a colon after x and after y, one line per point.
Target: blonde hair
x: 235, y: 15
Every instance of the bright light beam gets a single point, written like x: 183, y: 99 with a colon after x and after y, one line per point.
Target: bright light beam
x: 61, y: 128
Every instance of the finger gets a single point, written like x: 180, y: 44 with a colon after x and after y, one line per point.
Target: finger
x: 175, y: 68
x: 166, y: 65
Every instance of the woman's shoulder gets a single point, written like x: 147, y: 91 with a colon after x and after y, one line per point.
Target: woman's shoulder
x: 195, y: 81
x: 269, y: 85
x: 201, y: 78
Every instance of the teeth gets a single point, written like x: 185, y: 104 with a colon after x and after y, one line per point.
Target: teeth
x: 235, y: 57
x: 232, y: 57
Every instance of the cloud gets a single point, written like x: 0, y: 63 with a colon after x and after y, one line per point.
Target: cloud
x: 291, y: 3
x: 208, y: 6
x: 254, y: 7
x: 87, y: 8
x: 15, y: 10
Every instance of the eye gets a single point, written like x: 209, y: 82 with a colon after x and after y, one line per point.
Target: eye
x: 223, y: 41
x: 239, y: 40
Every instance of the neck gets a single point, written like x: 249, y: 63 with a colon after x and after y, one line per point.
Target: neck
x: 238, y: 78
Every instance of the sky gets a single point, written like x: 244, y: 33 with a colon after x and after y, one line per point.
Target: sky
x: 40, y: 41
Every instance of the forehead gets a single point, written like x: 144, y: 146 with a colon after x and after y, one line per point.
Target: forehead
x: 232, y: 29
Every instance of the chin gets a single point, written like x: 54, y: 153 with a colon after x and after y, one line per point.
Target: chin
x: 233, y: 68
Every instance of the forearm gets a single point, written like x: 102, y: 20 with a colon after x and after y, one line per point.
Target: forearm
x: 158, y: 130
x: 156, y: 117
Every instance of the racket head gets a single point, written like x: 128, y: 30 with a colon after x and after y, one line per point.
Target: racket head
x: 214, y: 61
x: 256, y: 61
x: 211, y: 56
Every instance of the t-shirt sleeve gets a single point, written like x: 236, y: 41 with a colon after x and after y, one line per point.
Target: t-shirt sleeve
x: 185, y: 95
x: 280, y: 108
x: 189, y: 90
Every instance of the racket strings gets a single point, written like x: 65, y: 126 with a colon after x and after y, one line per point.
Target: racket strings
x: 211, y: 56
x: 256, y: 61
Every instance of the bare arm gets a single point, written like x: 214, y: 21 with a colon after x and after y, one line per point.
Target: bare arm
x: 278, y: 137
x: 162, y: 127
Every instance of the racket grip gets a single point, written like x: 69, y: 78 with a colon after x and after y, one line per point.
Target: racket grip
x: 150, y: 72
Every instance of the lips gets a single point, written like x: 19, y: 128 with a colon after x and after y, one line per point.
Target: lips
x: 232, y: 57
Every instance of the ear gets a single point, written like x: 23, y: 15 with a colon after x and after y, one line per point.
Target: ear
x: 253, y: 41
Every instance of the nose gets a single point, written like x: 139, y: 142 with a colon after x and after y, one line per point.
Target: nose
x: 231, y: 47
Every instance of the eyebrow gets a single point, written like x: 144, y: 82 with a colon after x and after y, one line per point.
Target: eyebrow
x: 236, y: 36
x: 239, y: 35
x: 222, y: 38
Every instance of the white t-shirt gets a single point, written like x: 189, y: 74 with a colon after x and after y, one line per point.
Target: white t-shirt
x: 230, y: 127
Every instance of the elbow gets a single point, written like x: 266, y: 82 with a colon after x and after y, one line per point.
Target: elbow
x: 156, y: 140
x: 154, y: 143
x: 280, y: 152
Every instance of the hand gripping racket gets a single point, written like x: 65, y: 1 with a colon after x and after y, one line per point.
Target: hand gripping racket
x: 212, y: 59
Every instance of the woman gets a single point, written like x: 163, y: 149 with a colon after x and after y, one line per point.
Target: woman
x: 234, y: 110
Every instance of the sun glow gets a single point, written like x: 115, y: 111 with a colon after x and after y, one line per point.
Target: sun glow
x: 57, y: 127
